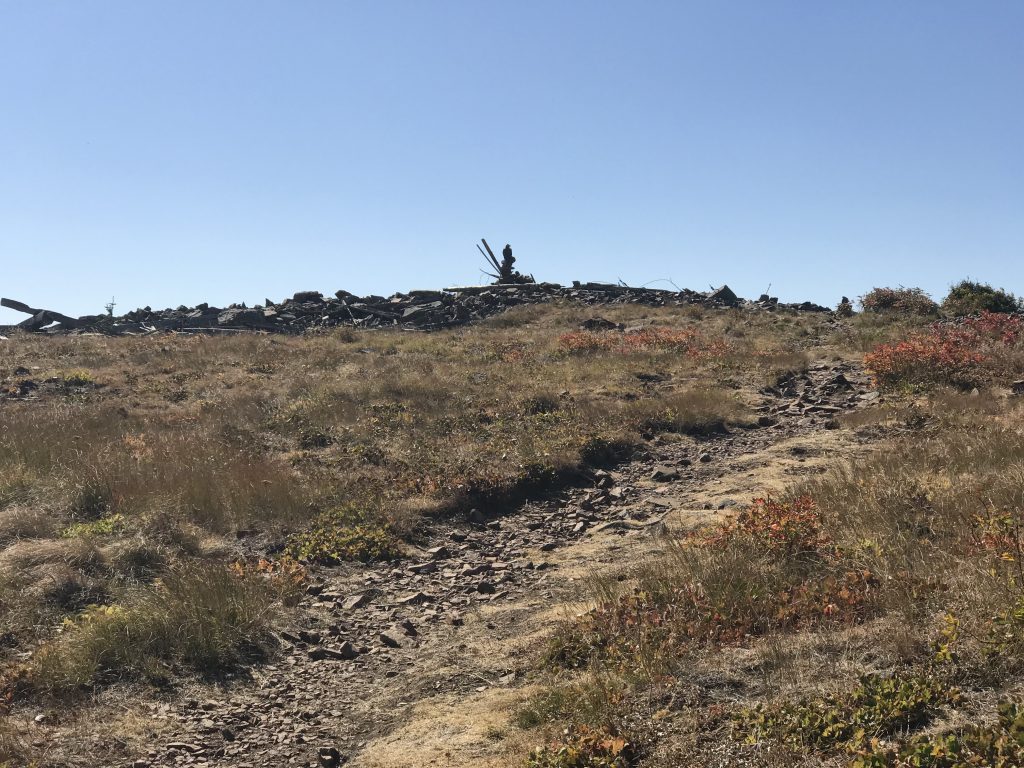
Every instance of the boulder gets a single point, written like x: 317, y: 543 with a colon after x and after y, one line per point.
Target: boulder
x: 724, y: 295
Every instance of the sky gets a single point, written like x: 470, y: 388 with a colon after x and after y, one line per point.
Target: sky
x: 173, y: 152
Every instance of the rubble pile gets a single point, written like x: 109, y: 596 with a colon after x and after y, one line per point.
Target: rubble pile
x: 420, y: 310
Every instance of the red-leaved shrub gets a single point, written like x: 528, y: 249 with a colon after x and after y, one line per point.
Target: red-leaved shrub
x: 965, y: 354
x: 774, y: 567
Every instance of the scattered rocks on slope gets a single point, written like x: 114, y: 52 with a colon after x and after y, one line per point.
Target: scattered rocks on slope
x: 405, y: 635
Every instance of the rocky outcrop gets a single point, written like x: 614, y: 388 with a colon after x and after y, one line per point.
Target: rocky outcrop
x: 424, y: 310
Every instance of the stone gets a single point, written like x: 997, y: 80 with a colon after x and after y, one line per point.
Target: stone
x: 415, y: 599
x: 182, y: 746
x: 724, y: 295
x: 408, y: 628
x: 1017, y: 387
x: 389, y: 640
x: 664, y: 473
x: 838, y: 383
x: 352, y: 602
x: 329, y: 757
x: 476, y: 517
x: 344, y: 652
x: 312, y: 638
x: 599, y: 324
x: 704, y: 458
x: 439, y: 553
x: 244, y: 317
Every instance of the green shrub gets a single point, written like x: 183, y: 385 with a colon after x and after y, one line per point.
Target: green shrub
x: 996, y: 746
x: 878, y: 707
x: 78, y: 378
x: 970, y: 298
x: 905, y: 301
x: 344, y: 534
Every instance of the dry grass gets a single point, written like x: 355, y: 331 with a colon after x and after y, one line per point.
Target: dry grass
x: 930, y: 526
x: 198, y: 618
x: 13, y: 750
x: 125, y: 463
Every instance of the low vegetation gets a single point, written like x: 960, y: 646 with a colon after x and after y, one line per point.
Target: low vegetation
x: 161, y: 499
x: 202, y: 619
x: 132, y: 470
x: 969, y: 353
x: 863, y: 618
x: 970, y: 298
x: 904, y: 301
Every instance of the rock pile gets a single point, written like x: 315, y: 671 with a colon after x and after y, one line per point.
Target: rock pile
x: 423, y: 310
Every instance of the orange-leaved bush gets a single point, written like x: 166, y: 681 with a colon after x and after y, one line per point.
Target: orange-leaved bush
x: 963, y: 354
x: 774, y: 567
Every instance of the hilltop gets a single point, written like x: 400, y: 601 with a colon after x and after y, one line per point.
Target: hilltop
x: 418, y: 310
x: 595, y: 526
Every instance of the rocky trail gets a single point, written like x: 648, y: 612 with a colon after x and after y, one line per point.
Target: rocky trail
x: 420, y: 663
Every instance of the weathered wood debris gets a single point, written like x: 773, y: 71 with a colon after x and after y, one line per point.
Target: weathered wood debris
x: 422, y: 310
x: 506, y: 274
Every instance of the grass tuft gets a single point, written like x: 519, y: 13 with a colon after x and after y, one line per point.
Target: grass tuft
x: 200, y: 618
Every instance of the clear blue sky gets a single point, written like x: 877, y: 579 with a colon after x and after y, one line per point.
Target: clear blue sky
x: 180, y: 151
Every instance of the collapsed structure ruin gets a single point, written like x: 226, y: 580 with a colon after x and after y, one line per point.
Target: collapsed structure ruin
x: 422, y: 310
x: 415, y: 310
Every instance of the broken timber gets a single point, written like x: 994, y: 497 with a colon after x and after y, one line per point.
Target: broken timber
x: 40, y: 317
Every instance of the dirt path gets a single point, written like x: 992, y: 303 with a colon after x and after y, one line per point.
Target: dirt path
x: 421, y: 664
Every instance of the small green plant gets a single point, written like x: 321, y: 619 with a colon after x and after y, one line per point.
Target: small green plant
x: 78, y: 378
x: 878, y: 707
x: 344, y: 534
x: 970, y: 298
x: 995, y: 746
x: 105, y: 526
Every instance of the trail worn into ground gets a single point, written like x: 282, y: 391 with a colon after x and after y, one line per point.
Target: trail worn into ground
x: 420, y: 664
